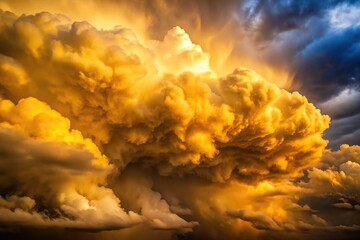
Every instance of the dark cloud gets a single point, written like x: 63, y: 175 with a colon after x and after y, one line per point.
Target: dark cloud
x: 329, y: 65
x: 345, y: 130
x: 319, y: 42
x: 275, y: 17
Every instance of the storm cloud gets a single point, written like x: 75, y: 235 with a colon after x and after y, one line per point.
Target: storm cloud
x: 190, y: 120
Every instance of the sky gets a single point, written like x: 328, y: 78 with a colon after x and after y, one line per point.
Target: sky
x: 172, y: 120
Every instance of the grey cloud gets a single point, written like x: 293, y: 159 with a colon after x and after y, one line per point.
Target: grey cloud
x: 343, y: 130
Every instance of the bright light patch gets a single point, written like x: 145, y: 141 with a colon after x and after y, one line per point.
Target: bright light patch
x: 344, y: 16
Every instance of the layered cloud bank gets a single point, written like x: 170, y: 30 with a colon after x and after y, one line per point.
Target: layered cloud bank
x: 101, y: 131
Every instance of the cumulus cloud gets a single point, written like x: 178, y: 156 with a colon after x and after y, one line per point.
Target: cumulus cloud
x: 283, y: 42
x: 61, y: 175
x: 324, y: 200
x: 332, y: 187
x: 188, y: 121
x: 89, y: 117
x: 337, y: 173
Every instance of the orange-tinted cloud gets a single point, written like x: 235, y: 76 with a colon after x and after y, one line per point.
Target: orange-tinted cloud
x: 90, y: 117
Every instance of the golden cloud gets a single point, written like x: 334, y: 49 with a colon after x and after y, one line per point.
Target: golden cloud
x: 90, y: 116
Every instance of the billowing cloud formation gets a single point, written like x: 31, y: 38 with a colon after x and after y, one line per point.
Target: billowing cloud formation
x: 337, y: 174
x: 188, y: 121
x: 326, y: 198
x: 90, y: 117
x: 60, y: 174
x: 308, y: 46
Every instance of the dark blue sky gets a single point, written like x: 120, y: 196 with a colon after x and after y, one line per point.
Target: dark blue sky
x: 321, y: 42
